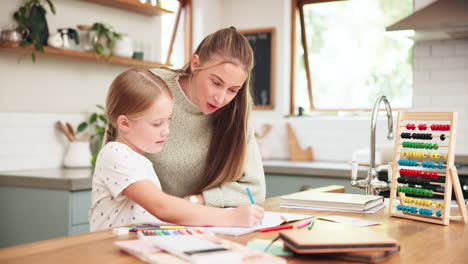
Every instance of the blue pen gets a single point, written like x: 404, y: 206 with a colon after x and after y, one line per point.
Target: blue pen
x: 251, y: 198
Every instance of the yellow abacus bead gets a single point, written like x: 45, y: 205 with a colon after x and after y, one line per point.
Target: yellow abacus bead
x: 411, y: 199
x: 424, y: 155
x: 428, y: 203
x: 446, y: 156
x: 406, y: 199
x: 403, y: 153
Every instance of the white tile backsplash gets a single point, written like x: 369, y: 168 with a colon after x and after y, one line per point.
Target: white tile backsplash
x: 31, y: 141
x: 442, y: 48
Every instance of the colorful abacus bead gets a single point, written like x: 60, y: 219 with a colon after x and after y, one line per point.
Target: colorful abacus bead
x: 442, y: 137
x: 410, y: 126
x: 422, y: 126
x: 436, y: 127
x: 439, y: 204
x: 441, y: 165
x: 439, y: 213
x: 408, y: 162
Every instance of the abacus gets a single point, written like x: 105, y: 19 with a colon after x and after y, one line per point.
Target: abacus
x: 423, y: 166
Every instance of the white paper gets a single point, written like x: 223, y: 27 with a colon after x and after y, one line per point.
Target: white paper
x: 370, y: 211
x: 271, y: 219
x: 349, y: 220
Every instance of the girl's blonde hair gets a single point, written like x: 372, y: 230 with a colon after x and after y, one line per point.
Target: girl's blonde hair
x: 227, y: 151
x: 131, y: 94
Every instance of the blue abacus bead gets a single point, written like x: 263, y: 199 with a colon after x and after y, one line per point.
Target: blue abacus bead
x: 429, y: 212
x: 398, y: 207
x: 441, y: 165
x: 439, y: 213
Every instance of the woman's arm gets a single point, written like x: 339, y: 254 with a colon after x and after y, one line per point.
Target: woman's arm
x: 232, y: 194
x: 179, y: 211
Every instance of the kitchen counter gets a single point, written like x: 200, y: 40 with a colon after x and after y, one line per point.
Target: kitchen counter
x: 75, y: 179
x: 70, y: 179
x: 324, y: 168
x: 312, y: 168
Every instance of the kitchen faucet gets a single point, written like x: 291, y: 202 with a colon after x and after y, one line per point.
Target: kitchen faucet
x: 372, y: 184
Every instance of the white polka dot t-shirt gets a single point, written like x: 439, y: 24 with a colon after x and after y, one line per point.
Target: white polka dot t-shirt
x: 117, y: 167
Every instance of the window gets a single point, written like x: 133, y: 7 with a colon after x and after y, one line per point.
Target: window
x: 352, y: 59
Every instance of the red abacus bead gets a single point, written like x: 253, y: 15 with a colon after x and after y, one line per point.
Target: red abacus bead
x: 408, y: 126
x: 422, y: 127
x: 434, y: 127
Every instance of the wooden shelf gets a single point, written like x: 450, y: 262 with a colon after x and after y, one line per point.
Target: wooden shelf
x: 133, y: 6
x: 10, y: 46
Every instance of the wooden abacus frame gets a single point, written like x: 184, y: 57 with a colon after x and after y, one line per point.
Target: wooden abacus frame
x: 451, y: 175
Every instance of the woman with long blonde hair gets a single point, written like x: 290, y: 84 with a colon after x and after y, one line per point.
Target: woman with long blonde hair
x: 211, y: 156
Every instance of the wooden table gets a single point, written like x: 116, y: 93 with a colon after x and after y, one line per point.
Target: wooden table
x: 420, y: 242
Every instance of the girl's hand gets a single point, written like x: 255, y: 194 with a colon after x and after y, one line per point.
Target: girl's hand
x: 247, y: 215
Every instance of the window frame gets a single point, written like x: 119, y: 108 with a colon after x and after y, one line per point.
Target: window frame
x: 297, y: 8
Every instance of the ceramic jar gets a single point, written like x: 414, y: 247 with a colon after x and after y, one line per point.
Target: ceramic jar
x: 78, y: 155
x: 123, y: 47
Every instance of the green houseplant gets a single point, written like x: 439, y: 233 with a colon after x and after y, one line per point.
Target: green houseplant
x: 31, y: 18
x: 96, y: 126
x: 105, y: 38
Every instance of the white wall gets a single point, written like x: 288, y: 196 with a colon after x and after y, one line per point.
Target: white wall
x: 33, y: 96
x: 60, y: 85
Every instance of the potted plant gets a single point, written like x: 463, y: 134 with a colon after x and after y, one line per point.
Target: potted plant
x: 104, y: 39
x: 31, y: 18
x: 96, y: 126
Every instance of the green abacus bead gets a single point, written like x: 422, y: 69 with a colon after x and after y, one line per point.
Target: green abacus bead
x: 435, y: 146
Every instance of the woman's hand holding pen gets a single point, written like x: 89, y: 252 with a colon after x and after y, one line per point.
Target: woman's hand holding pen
x: 247, y: 215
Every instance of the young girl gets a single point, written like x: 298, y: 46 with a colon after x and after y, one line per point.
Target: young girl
x: 125, y: 188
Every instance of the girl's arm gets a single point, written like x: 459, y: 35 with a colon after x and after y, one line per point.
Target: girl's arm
x: 179, y: 211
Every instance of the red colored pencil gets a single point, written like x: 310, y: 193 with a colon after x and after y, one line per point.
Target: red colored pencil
x: 276, y: 228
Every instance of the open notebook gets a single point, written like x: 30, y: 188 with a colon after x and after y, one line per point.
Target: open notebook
x: 270, y: 219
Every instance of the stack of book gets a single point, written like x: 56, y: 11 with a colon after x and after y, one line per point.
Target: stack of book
x: 332, y: 201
